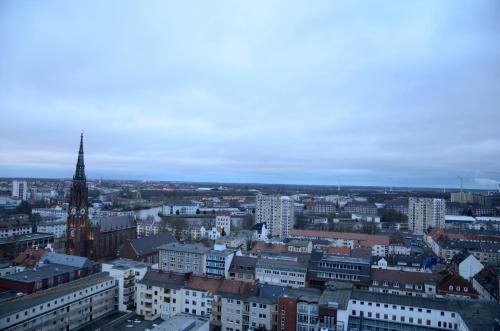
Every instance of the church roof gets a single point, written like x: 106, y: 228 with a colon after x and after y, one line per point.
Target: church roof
x: 149, y: 245
x: 112, y: 223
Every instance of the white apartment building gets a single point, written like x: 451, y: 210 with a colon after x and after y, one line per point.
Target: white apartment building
x: 126, y: 273
x: 277, y: 212
x: 20, y: 189
x: 462, y: 197
x: 148, y: 227
x: 223, y: 222
x: 51, y: 212
x: 57, y: 227
x: 14, y: 228
x: 424, y: 213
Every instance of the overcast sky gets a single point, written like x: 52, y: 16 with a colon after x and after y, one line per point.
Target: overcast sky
x: 315, y: 92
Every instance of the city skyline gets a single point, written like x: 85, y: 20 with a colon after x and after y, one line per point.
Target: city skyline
x: 349, y: 94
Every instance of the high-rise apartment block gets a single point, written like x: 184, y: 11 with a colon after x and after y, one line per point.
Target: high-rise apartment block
x: 20, y: 189
x: 462, y: 197
x: 277, y: 212
x: 424, y: 213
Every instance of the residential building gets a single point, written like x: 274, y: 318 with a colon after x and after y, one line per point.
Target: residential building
x: 159, y: 294
x: 277, y: 212
x: 126, y: 273
x: 378, y: 244
x: 148, y: 227
x: 487, y: 284
x: 145, y: 249
x: 223, y: 222
x: 53, y: 225
x: 359, y: 207
x: 261, y: 231
x: 421, y: 284
x: 324, y: 207
x: 461, y: 197
x: 183, y: 258
x: 180, y: 208
x: 69, y: 306
x: 453, y: 285
x: 10, y: 229
x: 218, y: 260
x: 243, y: 268
x: 20, y: 189
x: 324, y: 267
x: 424, y: 213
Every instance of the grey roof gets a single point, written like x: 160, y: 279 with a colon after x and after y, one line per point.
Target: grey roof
x: 45, y: 271
x: 243, y: 264
x: 164, y: 279
x: 68, y: 260
x: 281, y: 265
x: 269, y: 291
x: 149, y: 245
x: 112, y: 223
x: 478, y: 315
x: 28, y: 301
x: 340, y: 295
x: 182, y: 322
x: 187, y: 248
x: 127, y: 264
x: 26, y: 238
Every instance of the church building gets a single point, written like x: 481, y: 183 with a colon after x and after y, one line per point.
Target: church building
x: 96, y: 239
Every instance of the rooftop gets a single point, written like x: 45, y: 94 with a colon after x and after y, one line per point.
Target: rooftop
x: 186, y: 248
x: 28, y: 301
x: 129, y: 264
x: 182, y: 322
x: 45, y: 271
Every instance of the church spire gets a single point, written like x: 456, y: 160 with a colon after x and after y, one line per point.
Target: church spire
x: 80, y: 165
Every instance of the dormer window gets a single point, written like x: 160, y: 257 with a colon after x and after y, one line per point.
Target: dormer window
x: 466, y: 289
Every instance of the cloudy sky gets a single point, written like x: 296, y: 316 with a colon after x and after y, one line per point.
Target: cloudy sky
x: 356, y: 92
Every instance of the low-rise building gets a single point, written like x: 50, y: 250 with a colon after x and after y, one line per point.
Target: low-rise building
x: 182, y: 258
x: 407, y: 283
x: 280, y: 271
x: 325, y: 267
x: 145, y: 249
x: 243, y: 268
x: 218, y: 261
x: 54, y: 269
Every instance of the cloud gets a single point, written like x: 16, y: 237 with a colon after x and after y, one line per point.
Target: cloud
x: 487, y: 182
x: 262, y: 91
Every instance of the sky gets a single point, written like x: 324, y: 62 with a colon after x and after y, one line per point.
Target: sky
x: 389, y: 93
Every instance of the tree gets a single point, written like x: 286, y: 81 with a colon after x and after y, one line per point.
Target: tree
x: 177, y: 212
x: 198, y: 212
x: 24, y: 207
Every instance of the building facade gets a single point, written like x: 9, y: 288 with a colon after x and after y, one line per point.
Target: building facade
x: 182, y: 258
x: 277, y: 212
x: 424, y: 213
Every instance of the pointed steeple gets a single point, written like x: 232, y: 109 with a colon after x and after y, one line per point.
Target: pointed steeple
x: 80, y: 165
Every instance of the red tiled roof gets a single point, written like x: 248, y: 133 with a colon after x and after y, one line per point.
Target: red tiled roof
x: 339, y: 250
x: 237, y: 287
x: 200, y: 283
